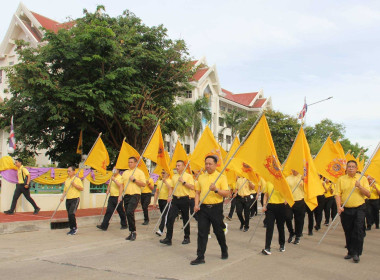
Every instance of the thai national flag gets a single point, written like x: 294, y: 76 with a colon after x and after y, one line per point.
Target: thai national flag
x: 12, y: 139
x: 303, y: 111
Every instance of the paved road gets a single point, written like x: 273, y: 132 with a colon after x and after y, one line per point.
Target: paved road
x: 94, y: 254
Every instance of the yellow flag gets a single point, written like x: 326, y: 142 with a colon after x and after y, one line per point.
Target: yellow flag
x: 374, y: 167
x: 80, y: 143
x: 125, y: 153
x: 98, y: 158
x: 178, y: 154
x: 207, y: 146
x: 222, y: 152
x: 155, y: 150
x: 258, y: 151
x: 233, y: 148
x: 300, y: 160
x: 329, y: 162
x: 349, y: 157
x: 7, y: 163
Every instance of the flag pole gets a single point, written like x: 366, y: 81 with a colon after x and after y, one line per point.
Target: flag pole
x: 352, y: 191
x: 228, y: 162
x: 137, y: 165
x: 76, y: 175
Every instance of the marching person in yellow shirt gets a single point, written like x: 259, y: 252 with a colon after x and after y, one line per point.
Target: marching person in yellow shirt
x: 72, y: 189
x: 162, y: 193
x: 330, y: 205
x: 353, y: 213
x: 211, y: 210
x: 114, y: 191
x: 132, y: 193
x: 146, y: 197
x: 372, y: 204
x: 243, y: 202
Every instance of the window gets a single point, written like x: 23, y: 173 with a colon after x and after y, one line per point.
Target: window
x: 1, y: 76
x: 228, y: 139
x: 220, y: 137
x: 189, y: 94
x: 187, y: 148
x: 222, y: 108
x: 229, y: 110
x: 11, y: 63
x: 221, y: 122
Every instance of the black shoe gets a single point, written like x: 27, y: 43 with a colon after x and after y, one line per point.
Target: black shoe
x: 131, y: 237
x: 310, y: 232
x: 197, y: 261
x: 266, y: 252
x: 296, y: 241
x: 347, y: 257
x: 166, y: 241
x: 317, y: 228
x: 102, y: 228
x: 225, y: 255
x: 241, y: 227
x: 245, y: 229
x: 356, y: 258
x: 36, y: 211
x: 145, y: 223
x: 123, y: 227
x: 368, y: 228
x: 186, y: 241
x: 9, y: 212
x: 290, y: 239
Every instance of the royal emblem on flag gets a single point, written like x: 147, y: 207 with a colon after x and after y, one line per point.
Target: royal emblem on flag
x: 336, y: 168
x: 246, y: 168
x: 305, y: 171
x: 272, y: 167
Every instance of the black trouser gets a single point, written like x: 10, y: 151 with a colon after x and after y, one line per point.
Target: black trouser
x: 71, y: 207
x: 210, y: 214
x: 130, y: 205
x: 330, y: 209
x: 253, y: 207
x: 298, y: 211
x: 112, y: 202
x: 232, y: 208
x: 319, y: 210
x: 275, y: 212
x: 20, y: 189
x: 262, y: 204
x: 178, y: 204
x: 354, y: 229
x: 242, y: 204
x: 310, y: 219
x: 372, y: 212
x: 161, y: 205
x: 192, y: 204
x: 145, y: 201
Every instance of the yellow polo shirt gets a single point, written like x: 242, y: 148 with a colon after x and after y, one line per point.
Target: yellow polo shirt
x: 330, y: 190
x: 374, y: 194
x: 146, y: 189
x: 276, y: 197
x: 133, y: 188
x: 163, y: 189
x: 344, y: 186
x: 292, y: 180
x: 203, y: 185
x: 181, y: 189
x: 245, y: 189
x: 114, y: 189
x: 73, y: 192
x: 20, y: 171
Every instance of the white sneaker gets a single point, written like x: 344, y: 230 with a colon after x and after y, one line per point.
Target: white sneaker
x: 209, y: 236
x: 282, y: 249
x: 266, y: 252
x: 225, y: 229
x: 159, y: 232
x: 73, y: 231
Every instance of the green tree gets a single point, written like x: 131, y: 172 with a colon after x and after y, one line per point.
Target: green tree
x: 190, y: 117
x: 104, y: 74
x: 234, y: 120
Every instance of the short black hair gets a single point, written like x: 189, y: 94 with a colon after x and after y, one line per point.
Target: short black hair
x: 19, y: 160
x: 134, y: 158
x: 213, y: 157
x: 180, y: 160
x: 72, y: 167
x: 354, y: 161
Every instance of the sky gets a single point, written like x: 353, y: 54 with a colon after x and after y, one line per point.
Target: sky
x: 290, y: 49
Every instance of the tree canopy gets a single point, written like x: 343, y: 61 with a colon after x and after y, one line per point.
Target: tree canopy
x: 104, y: 74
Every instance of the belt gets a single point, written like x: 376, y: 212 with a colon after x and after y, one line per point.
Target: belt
x: 211, y: 205
x: 181, y: 197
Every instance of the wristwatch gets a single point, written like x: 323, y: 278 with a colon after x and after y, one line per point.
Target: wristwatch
x: 216, y: 191
x: 184, y: 183
x: 134, y: 180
